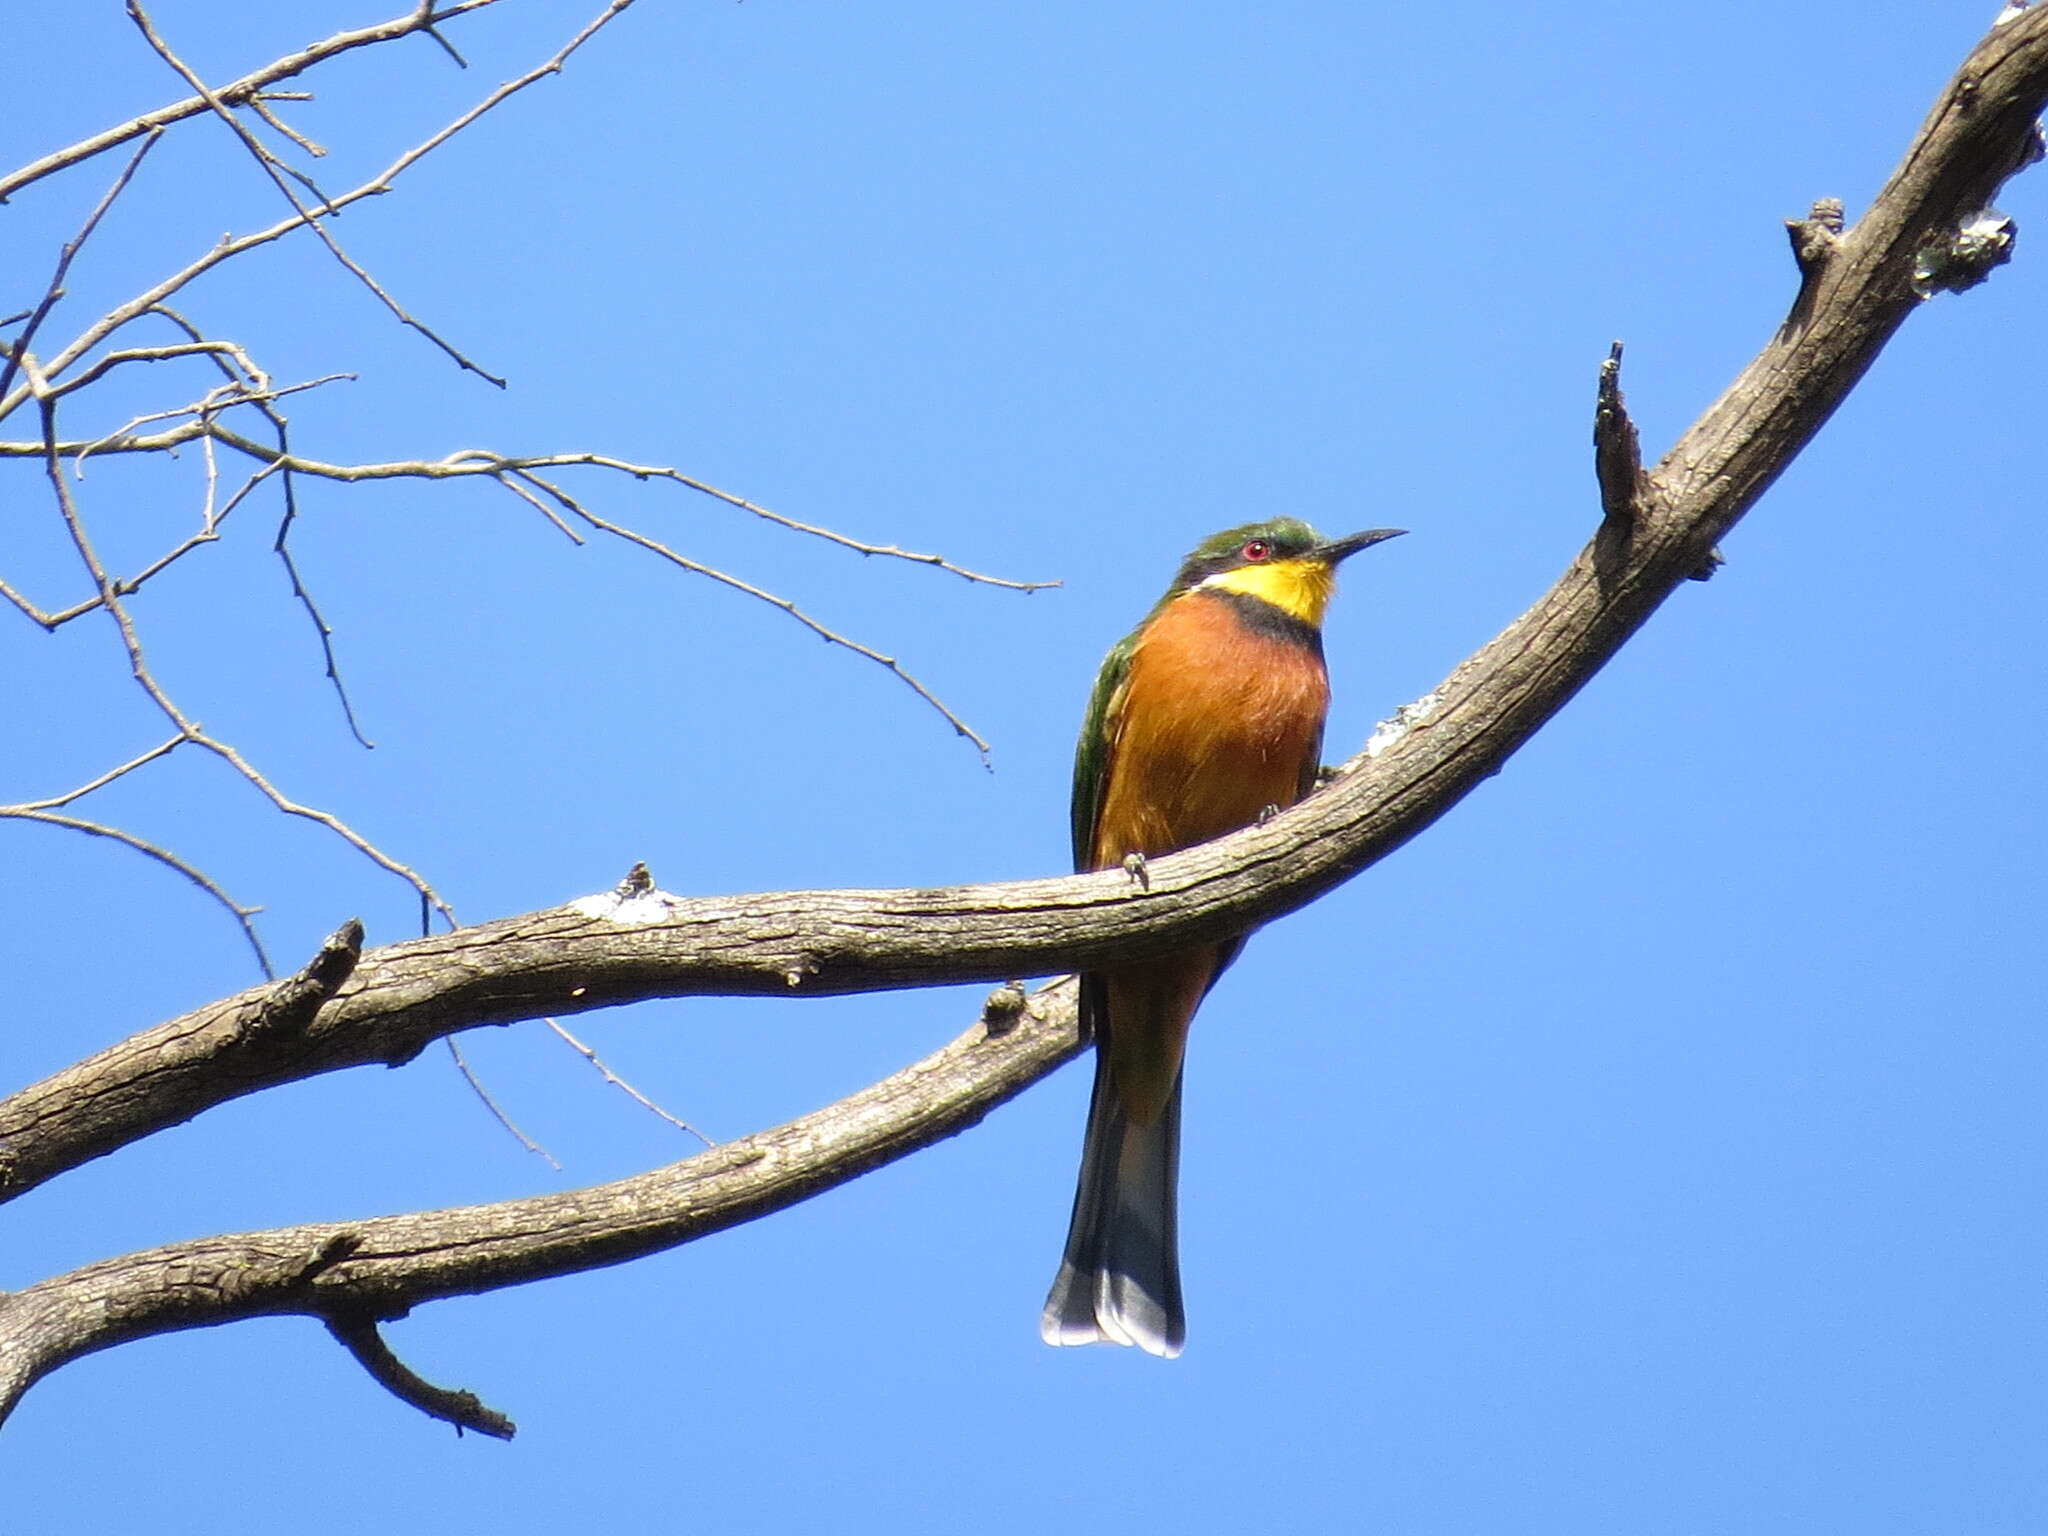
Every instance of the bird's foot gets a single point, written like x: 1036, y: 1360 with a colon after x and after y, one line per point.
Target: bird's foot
x: 1139, y: 871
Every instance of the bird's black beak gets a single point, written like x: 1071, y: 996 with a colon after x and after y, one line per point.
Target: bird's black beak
x: 1338, y: 549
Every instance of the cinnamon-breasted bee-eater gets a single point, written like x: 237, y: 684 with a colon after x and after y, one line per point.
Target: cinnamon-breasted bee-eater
x: 1206, y: 717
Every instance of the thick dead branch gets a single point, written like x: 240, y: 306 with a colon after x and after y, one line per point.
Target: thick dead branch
x: 382, y: 1268
x: 623, y: 949
x: 640, y: 943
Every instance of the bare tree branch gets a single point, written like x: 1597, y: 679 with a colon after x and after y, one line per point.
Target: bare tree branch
x: 227, y: 250
x: 604, y: 1070
x: 382, y: 1268
x: 359, y: 1336
x: 277, y: 171
x: 243, y: 915
x: 471, y: 462
x: 1930, y: 229
x: 725, y: 579
x: 17, y: 352
x: 248, y: 88
x: 145, y: 679
x: 515, y: 474
x: 87, y: 359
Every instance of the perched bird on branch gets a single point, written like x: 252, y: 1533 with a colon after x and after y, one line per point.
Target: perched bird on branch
x: 1208, y: 716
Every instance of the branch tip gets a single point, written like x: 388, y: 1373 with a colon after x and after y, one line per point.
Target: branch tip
x: 1617, y: 449
x: 358, y: 1335
x: 293, y: 1002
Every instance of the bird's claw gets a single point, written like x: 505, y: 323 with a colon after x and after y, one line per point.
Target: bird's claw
x: 1136, y: 867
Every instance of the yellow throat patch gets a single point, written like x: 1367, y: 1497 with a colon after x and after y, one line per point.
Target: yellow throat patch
x: 1301, y: 588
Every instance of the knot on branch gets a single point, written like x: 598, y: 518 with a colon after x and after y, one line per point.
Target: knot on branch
x: 332, y: 1251
x: 1815, y: 237
x: 1959, y: 260
x: 1003, y: 1008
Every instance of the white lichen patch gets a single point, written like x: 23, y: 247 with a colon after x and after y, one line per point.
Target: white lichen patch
x: 1406, y: 718
x: 638, y: 910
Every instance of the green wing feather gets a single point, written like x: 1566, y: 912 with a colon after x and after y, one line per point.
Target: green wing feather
x: 1091, y: 753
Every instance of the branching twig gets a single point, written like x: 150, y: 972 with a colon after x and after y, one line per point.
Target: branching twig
x: 55, y: 802
x: 698, y: 568
x: 248, y: 88
x: 17, y: 351
x: 312, y: 218
x: 227, y: 250
x: 480, y: 461
x: 145, y: 679
x: 641, y: 943
x: 243, y: 915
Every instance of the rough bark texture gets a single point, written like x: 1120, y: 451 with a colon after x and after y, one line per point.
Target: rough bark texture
x: 1661, y: 528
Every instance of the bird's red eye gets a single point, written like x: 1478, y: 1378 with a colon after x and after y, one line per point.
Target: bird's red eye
x: 1257, y: 550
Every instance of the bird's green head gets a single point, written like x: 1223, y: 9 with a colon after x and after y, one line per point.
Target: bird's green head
x: 1281, y: 561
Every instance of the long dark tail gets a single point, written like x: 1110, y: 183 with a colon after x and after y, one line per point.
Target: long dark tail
x: 1119, y: 1281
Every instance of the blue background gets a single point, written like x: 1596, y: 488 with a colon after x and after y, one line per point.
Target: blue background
x: 1653, y: 1147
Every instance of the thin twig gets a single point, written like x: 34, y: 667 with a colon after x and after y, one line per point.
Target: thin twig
x: 476, y: 1086
x: 221, y: 398
x: 266, y: 404
x: 243, y: 915
x: 698, y: 568
x: 260, y: 105
x: 482, y: 461
x: 619, y: 1082
x: 48, y: 619
x: 830, y: 535
x: 17, y: 353
x: 505, y: 470
x: 254, y: 378
x: 228, y: 250
x: 145, y: 679
x: 539, y: 506
x: 281, y: 546
x: 420, y: 18
x: 55, y: 802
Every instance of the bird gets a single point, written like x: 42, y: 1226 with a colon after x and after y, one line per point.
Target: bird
x: 1204, y: 719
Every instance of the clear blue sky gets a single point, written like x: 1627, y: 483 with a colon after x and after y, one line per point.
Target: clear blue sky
x: 1654, y: 1147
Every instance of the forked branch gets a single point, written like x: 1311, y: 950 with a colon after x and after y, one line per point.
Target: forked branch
x: 641, y: 943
